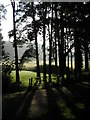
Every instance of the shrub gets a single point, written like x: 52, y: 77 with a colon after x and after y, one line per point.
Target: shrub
x: 6, y: 78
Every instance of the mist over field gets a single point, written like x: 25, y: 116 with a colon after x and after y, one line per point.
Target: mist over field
x: 10, y: 49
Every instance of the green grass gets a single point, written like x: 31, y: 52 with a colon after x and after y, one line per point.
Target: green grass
x: 24, y: 77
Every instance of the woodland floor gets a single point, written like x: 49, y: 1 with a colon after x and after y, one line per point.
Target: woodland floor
x: 49, y: 102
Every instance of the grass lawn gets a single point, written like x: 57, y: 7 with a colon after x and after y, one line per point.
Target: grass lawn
x: 24, y: 77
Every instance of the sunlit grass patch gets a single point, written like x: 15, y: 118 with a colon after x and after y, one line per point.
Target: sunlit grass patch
x: 24, y: 77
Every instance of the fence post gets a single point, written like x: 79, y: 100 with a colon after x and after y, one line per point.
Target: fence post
x: 40, y: 80
x: 29, y: 82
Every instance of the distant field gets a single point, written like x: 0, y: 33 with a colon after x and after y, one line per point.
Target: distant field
x: 33, y: 64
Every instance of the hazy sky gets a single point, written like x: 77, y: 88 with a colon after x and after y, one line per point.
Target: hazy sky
x: 7, y: 24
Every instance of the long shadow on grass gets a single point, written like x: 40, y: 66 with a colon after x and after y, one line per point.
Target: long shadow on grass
x: 16, y: 108
x: 54, y: 112
x: 22, y: 112
x: 83, y: 95
x: 76, y: 111
x: 77, y: 90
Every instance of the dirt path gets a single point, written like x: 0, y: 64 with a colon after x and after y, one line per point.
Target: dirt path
x: 45, y: 103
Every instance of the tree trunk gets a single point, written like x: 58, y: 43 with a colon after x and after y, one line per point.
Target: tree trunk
x: 44, y: 53
x: 76, y: 54
x: 86, y: 61
x: 56, y: 35
x: 15, y: 44
x: 37, y: 56
x: 62, y: 45
x: 50, y: 45
x: 71, y: 62
x: 86, y: 57
x: 68, y: 60
x: 65, y: 52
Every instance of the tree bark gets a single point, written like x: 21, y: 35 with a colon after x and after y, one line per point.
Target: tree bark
x: 86, y: 61
x: 44, y: 53
x: 76, y: 54
x: 71, y: 62
x: 15, y: 44
x: 50, y: 45
x: 58, y: 38
x: 56, y: 35
x: 86, y: 57
x: 62, y: 44
x: 37, y: 55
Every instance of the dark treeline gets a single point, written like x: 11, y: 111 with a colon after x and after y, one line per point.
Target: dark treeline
x: 65, y: 25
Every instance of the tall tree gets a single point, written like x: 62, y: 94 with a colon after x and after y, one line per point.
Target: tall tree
x: 15, y: 43
x: 56, y: 35
x: 35, y: 33
x: 44, y: 41
x: 50, y: 44
x: 62, y: 44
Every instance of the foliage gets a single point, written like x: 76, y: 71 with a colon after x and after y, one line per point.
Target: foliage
x: 6, y: 70
x: 6, y: 80
x: 28, y: 54
x: 3, y: 11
